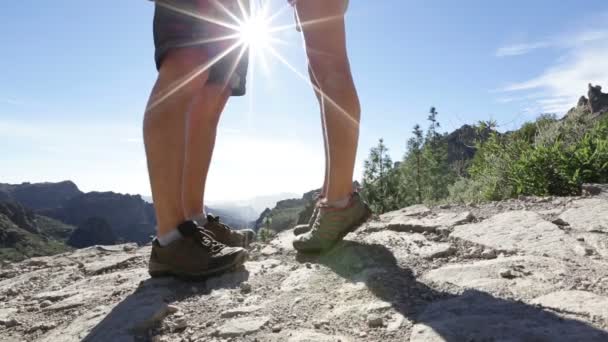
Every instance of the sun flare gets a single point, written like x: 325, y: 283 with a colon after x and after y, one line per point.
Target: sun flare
x: 255, y: 31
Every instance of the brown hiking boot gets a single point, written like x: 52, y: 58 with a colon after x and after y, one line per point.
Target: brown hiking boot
x: 332, y: 224
x: 195, y: 255
x: 226, y: 235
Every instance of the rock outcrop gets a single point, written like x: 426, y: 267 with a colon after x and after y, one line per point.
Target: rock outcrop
x: 533, y: 269
x: 595, y: 104
x: 598, y: 101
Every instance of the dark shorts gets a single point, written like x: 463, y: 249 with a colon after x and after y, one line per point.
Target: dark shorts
x: 178, y: 24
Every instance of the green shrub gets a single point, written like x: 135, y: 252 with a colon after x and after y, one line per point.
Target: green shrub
x: 266, y: 235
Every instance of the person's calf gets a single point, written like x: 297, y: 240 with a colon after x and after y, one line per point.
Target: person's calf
x: 164, y: 131
x: 201, y: 130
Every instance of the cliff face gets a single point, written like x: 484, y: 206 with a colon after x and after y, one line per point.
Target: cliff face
x: 131, y: 218
x: 93, y: 231
x: 532, y: 269
x: 288, y: 213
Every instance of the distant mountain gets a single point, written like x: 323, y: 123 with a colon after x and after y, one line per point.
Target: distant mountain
x: 53, y: 210
x: 237, y: 217
x: 288, y: 213
x: 93, y: 231
x: 258, y: 203
x: 25, y: 234
x: 130, y: 217
x: 37, y: 196
x: 241, y: 214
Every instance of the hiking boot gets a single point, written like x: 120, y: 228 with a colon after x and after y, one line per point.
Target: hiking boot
x: 228, y: 236
x: 305, y: 228
x: 332, y: 224
x: 196, y: 255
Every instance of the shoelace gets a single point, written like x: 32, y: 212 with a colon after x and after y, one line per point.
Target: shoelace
x: 208, y: 241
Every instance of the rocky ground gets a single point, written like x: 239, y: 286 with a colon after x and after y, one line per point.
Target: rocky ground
x: 532, y: 269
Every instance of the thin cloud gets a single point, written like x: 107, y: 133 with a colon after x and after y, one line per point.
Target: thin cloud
x: 521, y: 49
x: 564, y: 42
x: 562, y: 84
x: 581, y: 59
x: 11, y: 101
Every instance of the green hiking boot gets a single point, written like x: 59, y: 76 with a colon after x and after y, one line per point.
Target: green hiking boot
x: 196, y: 255
x: 228, y: 236
x: 305, y: 228
x: 332, y: 224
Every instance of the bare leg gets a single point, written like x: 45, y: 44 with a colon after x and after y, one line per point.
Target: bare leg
x: 315, y: 85
x: 164, y: 132
x: 201, y: 129
x: 323, y: 27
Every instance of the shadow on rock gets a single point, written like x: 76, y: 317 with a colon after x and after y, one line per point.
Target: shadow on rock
x: 441, y: 316
x: 150, y: 303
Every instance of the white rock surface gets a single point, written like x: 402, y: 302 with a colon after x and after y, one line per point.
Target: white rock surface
x: 589, y: 215
x: 520, y: 231
x: 242, y: 326
x: 403, y: 245
x: 532, y: 276
x: 579, y: 302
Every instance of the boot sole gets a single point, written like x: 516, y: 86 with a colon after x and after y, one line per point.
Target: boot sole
x: 162, y: 270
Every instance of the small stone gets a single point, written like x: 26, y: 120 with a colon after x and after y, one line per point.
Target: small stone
x: 240, y: 311
x: 363, y: 334
x: 488, y: 254
x: 276, y: 329
x: 245, y: 287
x: 297, y: 300
x: 9, y: 323
x: 580, y: 238
x: 46, y: 303
x: 396, y: 323
x: 180, y: 324
x: 44, y: 326
x: 560, y: 222
x: 375, y: 321
x: 308, y: 265
x: 242, y: 326
x: 171, y: 309
x: 507, y: 273
x: 318, y: 324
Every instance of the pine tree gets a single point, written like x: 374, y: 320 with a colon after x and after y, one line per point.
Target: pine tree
x: 414, y: 147
x: 378, y: 179
x: 438, y: 173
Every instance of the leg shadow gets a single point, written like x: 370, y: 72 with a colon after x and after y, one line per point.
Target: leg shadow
x: 473, y: 316
x: 142, y: 310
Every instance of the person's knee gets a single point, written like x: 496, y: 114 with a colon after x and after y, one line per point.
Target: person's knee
x: 207, y: 108
x: 330, y: 73
x: 334, y: 80
x: 184, y: 68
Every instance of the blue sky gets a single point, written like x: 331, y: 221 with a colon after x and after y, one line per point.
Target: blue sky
x: 76, y: 76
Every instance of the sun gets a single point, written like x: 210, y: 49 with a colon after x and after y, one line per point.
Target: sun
x: 254, y: 31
